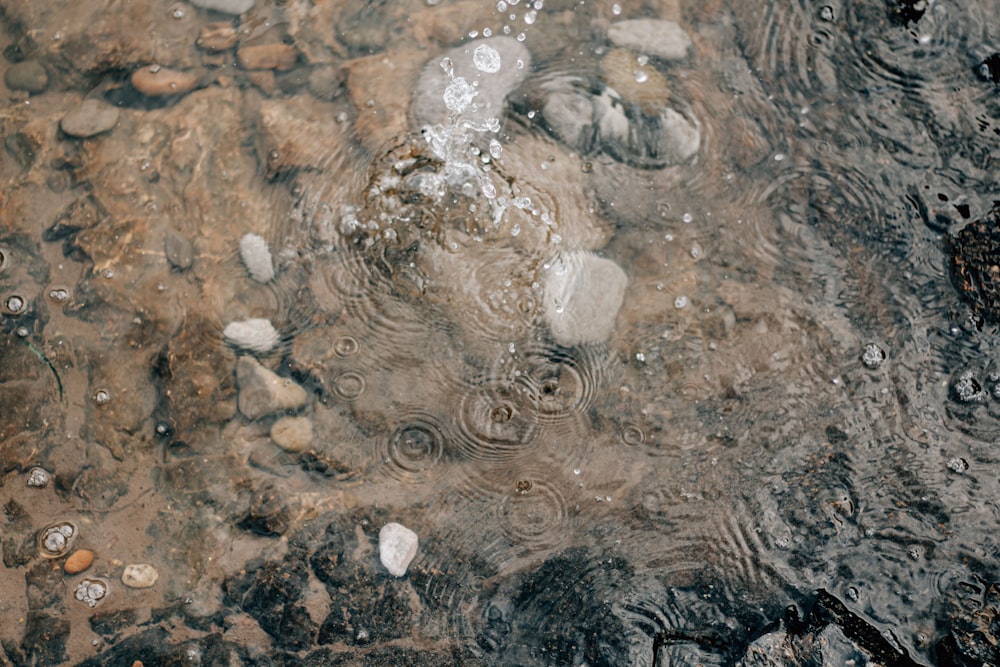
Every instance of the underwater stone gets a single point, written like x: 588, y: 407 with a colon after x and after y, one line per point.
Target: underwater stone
x: 257, y: 258
x: 28, y: 76
x: 397, y: 545
x: 293, y: 434
x: 78, y: 561
x: 652, y: 37
x: 140, y: 575
x: 225, y: 6
x: 255, y: 335
x: 263, y: 392
x: 178, y: 249
x: 91, y: 118
x: 157, y: 81
x: 583, y: 293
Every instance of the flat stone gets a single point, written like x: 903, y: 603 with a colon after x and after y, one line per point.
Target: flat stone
x: 215, y: 37
x: 293, y: 434
x: 583, y: 293
x: 234, y: 7
x: 29, y: 76
x: 264, y: 392
x: 397, y: 545
x: 256, y: 257
x: 276, y: 56
x: 178, y: 249
x: 651, y: 37
x: 140, y: 575
x: 157, y: 81
x: 91, y: 118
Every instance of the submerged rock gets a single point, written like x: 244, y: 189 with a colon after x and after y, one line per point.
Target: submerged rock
x: 256, y: 257
x: 583, y: 293
x: 255, y: 334
x: 140, y: 575
x: 91, y: 118
x: 397, y: 546
x: 263, y: 392
x: 28, y: 76
x: 157, y: 81
x: 652, y: 37
x: 234, y: 7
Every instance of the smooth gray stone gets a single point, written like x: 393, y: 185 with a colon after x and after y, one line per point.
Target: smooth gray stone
x: 29, y: 76
x: 583, y: 293
x: 91, y: 118
x: 264, y: 392
x: 652, y: 37
x: 234, y: 7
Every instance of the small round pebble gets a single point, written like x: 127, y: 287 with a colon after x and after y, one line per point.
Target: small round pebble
x: 293, y: 434
x: 29, y: 76
x: 397, y: 545
x: 91, y: 118
x: 78, y: 561
x: 234, y: 7
x: 140, y: 575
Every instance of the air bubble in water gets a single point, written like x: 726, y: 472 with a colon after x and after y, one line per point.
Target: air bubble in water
x: 501, y: 6
x: 447, y: 65
x: 873, y: 356
x: 968, y: 389
x: 958, y: 465
x: 641, y: 76
x: 487, y: 32
x: 458, y: 95
x: 486, y: 59
x: 687, y: 218
x: 530, y: 16
x: 495, y: 148
x: 680, y: 302
x: 488, y: 190
x: 616, y: 9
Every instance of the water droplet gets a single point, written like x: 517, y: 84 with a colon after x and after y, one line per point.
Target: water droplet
x: 616, y: 9
x: 155, y: 69
x: 486, y: 59
x: 680, y: 302
x: 346, y: 346
x: 487, y: 32
x: 177, y: 12
x: 530, y: 16
x: 696, y: 251
x: 687, y: 218
x: 641, y: 76
x: 459, y: 95
x: 501, y: 6
x: 495, y: 148
x: 102, y: 397
x: 826, y: 13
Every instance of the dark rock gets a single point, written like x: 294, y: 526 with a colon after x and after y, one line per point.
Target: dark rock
x: 269, y: 513
x: 178, y: 249
x: 973, y: 615
x: 272, y: 594
x: 45, y: 638
x: 110, y: 623
x: 22, y: 147
x: 18, y: 542
x: 975, y: 250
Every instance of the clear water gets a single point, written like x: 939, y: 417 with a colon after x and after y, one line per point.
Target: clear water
x: 792, y: 396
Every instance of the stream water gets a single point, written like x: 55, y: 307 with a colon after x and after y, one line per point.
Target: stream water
x: 667, y: 327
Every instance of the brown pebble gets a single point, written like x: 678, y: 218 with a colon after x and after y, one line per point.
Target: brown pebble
x: 137, y: 663
x: 78, y: 561
x: 216, y: 37
x: 157, y: 81
x: 267, y: 56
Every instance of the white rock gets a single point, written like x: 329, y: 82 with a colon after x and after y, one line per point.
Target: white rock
x: 234, y: 7
x: 263, y: 392
x: 293, y: 434
x: 257, y: 258
x: 397, y: 545
x: 255, y: 334
x: 583, y: 293
x: 651, y: 37
x: 141, y: 575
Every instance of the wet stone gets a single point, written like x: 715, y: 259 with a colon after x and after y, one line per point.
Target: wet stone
x: 269, y: 513
x: 28, y: 76
x: 215, y: 37
x: 583, y: 293
x: 256, y: 257
x: 139, y: 575
x: 178, y: 249
x: 293, y: 434
x: 39, y: 477
x: 275, y: 56
x: 263, y: 392
x: 651, y: 37
x: 873, y: 356
x: 234, y: 7
x: 975, y: 269
x: 45, y: 639
x: 272, y: 594
x: 78, y: 561
x: 157, y: 81
x: 91, y: 592
x: 91, y: 118
x: 967, y: 389
x: 397, y: 546
x: 255, y: 335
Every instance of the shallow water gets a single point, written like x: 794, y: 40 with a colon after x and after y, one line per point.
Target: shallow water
x: 792, y: 407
